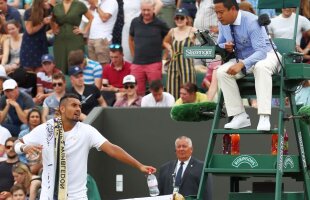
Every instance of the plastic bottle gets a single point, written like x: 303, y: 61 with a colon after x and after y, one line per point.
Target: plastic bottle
x: 235, y: 144
x: 226, y: 144
x: 285, y: 146
x: 274, y: 144
x: 152, y: 184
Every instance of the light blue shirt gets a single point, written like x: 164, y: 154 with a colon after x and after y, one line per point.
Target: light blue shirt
x: 92, y: 70
x: 252, y: 42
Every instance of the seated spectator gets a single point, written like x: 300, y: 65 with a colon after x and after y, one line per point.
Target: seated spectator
x: 92, y: 70
x: 7, y: 179
x: 14, y: 107
x: 189, y: 94
x: 281, y: 26
x: 113, y: 75
x: 51, y: 103
x: 157, y: 97
x: 15, y: 42
x: 130, y: 97
x: 44, y: 78
x: 33, y: 120
x: 4, y: 135
x: 304, y: 48
x: 9, y: 12
x: 23, y: 176
x: 303, y: 94
x: 4, y: 45
x: 18, y: 192
x: 89, y: 94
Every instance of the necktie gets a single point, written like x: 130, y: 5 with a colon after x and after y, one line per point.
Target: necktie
x: 243, y: 70
x: 178, y: 178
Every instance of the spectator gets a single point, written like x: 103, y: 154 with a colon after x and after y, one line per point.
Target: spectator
x: 18, y: 192
x: 167, y: 11
x: 180, y: 69
x: 4, y: 135
x: 270, y: 12
x: 51, y: 103
x: 35, y: 45
x: 15, y: 41
x: 281, y: 26
x: 145, y: 41
x: 132, y: 9
x: 44, y: 78
x: 189, y: 5
x: 157, y: 97
x: 72, y: 173
x: 189, y: 94
x: 23, y: 176
x: 89, y: 94
x: 303, y: 93
x: 130, y: 97
x: 9, y: 13
x: 7, y: 179
x: 189, y: 169
x: 33, y: 120
x: 4, y: 44
x: 65, y: 24
x: 119, y: 23
x: 254, y: 54
x: 92, y: 70
x: 113, y: 75
x: 14, y: 107
x: 100, y: 33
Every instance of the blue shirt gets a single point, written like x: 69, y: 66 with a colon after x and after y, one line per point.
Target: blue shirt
x: 92, y: 70
x: 252, y: 42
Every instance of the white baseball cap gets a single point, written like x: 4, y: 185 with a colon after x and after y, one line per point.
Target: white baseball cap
x: 9, y: 84
x: 129, y: 79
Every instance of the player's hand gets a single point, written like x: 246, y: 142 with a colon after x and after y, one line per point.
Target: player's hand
x: 147, y: 169
x: 33, y: 149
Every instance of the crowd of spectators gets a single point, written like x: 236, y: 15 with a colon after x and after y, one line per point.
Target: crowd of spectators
x: 111, y: 54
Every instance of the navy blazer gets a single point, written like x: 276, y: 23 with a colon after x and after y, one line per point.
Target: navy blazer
x: 190, y: 180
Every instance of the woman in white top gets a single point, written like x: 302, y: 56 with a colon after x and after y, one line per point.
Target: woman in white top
x: 132, y: 10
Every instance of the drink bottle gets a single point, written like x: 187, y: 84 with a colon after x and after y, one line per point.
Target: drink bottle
x: 152, y: 184
x: 235, y: 144
x: 226, y: 144
x: 274, y: 144
x: 285, y: 146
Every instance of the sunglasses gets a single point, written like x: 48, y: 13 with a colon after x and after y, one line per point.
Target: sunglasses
x: 57, y: 84
x: 131, y: 86
x: 115, y: 46
x: 179, y: 18
x: 9, y: 146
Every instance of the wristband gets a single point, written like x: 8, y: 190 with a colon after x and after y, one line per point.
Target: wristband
x: 19, y: 147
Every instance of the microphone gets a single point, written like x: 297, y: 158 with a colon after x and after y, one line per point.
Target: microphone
x: 264, y: 20
x: 193, y: 112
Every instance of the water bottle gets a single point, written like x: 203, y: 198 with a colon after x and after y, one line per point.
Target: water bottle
x: 152, y: 184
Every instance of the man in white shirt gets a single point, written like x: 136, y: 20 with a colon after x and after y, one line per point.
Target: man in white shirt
x: 282, y: 25
x: 157, y: 97
x: 73, y: 139
x: 100, y: 33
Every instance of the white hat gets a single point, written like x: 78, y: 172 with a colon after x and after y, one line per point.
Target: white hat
x: 2, y: 72
x: 9, y: 84
x: 129, y: 79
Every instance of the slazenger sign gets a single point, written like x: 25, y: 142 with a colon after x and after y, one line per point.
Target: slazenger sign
x: 199, y: 52
x: 245, y: 159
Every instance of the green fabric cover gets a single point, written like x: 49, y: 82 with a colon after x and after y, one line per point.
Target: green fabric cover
x: 92, y: 189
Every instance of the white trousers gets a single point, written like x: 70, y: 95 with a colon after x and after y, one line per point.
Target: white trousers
x: 262, y: 71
